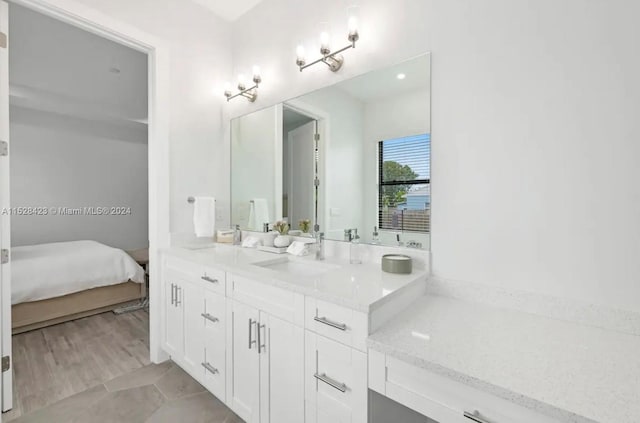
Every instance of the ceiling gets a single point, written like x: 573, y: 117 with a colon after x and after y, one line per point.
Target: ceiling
x: 230, y: 10
x: 57, y: 68
x: 384, y: 83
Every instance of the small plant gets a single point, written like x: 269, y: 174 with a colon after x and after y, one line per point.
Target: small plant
x: 282, y: 227
x: 304, y: 225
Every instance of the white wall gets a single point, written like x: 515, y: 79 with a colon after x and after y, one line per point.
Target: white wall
x: 534, y: 110
x: 200, y: 56
x: 59, y: 161
x: 78, y: 137
x: 384, y: 119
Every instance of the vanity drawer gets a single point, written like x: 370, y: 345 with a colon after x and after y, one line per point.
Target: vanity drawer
x: 213, y: 279
x: 336, y: 322
x: 281, y: 303
x: 215, y: 367
x: 215, y: 317
x: 335, y: 381
x: 442, y: 398
x: 207, y: 277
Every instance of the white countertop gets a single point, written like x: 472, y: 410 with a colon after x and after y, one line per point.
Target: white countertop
x: 361, y: 287
x: 568, y: 371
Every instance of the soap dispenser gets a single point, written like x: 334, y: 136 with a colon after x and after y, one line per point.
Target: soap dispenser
x: 375, y: 239
x: 355, y: 250
x: 237, y: 235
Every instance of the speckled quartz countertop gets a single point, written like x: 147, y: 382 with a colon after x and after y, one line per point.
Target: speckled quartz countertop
x: 361, y: 287
x: 568, y: 371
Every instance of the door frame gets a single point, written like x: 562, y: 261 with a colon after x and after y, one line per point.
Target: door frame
x: 323, y: 118
x: 6, y: 382
x: 158, y: 53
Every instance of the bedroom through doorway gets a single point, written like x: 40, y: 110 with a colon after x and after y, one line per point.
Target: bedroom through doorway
x: 79, y: 209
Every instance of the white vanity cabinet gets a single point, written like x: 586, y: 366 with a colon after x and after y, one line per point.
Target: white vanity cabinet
x: 194, y: 320
x: 441, y: 398
x: 266, y: 381
x: 271, y: 354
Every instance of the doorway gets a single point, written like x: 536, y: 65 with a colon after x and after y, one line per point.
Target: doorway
x: 158, y: 219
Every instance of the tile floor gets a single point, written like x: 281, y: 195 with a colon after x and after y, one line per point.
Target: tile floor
x: 157, y: 393
x: 97, y: 369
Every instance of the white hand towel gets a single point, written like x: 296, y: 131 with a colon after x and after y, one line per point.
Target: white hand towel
x: 298, y: 248
x: 204, y: 216
x: 251, y: 242
x: 258, y: 213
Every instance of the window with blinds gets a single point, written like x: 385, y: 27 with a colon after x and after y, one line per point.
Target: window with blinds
x: 404, y: 168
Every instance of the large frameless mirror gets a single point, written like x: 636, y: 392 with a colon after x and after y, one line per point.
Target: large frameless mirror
x: 349, y: 159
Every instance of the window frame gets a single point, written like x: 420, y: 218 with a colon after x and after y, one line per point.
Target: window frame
x: 382, y: 183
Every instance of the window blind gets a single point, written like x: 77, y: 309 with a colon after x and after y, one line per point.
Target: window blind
x: 404, y: 167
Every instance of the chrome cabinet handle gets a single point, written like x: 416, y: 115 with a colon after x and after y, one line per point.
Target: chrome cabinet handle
x: 173, y: 299
x: 328, y: 322
x: 208, y: 279
x: 261, y: 346
x: 331, y: 382
x: 210, y: 368
x: 251, y: 323
x: 475, y: 416
x: 178, y: 297
x: 209, y: 317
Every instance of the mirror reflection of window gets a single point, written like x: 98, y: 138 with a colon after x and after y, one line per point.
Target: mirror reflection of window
x: 404, y: 176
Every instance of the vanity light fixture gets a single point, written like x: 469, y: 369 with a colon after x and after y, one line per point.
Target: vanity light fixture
x: 250, y: 93
x: 333, y: 60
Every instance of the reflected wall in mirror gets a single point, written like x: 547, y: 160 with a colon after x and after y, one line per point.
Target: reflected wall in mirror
x: 352, y: 158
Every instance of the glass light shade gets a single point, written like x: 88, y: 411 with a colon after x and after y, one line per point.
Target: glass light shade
x: 353, y: 25
x: 256, y: 72
x: 300, y: 53
x: 324, y: 40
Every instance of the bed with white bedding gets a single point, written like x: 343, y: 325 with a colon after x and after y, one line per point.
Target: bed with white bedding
x: 61, y: 281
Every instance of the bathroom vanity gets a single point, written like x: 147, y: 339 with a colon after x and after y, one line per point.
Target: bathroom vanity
x: 279, y: 339
x: 288, y: 339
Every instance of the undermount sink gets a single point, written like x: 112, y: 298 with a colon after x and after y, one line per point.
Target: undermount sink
x: 199, y: 246
x: 304, y: 268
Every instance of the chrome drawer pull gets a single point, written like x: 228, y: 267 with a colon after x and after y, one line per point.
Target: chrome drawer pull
x: 261, y: 346
x: 208, y: 279
x: 209, y: 317
x: 178, y: 296
x: 173, y: 298
x: 210, y: 368
x: 328, y: 322
x: 475, y: 416
x: 326, y: 379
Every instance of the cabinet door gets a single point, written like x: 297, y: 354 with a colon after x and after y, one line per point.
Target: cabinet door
x: 245, y: 380
x: 174, y: 319
x: 281, y: 370
x: 335, y: 381
x: 192, y: 300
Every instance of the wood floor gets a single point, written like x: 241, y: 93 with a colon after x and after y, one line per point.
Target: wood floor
x: 59, y: 361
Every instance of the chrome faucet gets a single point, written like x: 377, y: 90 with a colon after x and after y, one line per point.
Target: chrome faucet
x: 319, y: 245
x: 350, y: 234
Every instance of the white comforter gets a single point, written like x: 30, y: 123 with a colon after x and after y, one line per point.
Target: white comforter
x: 45, y: 271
